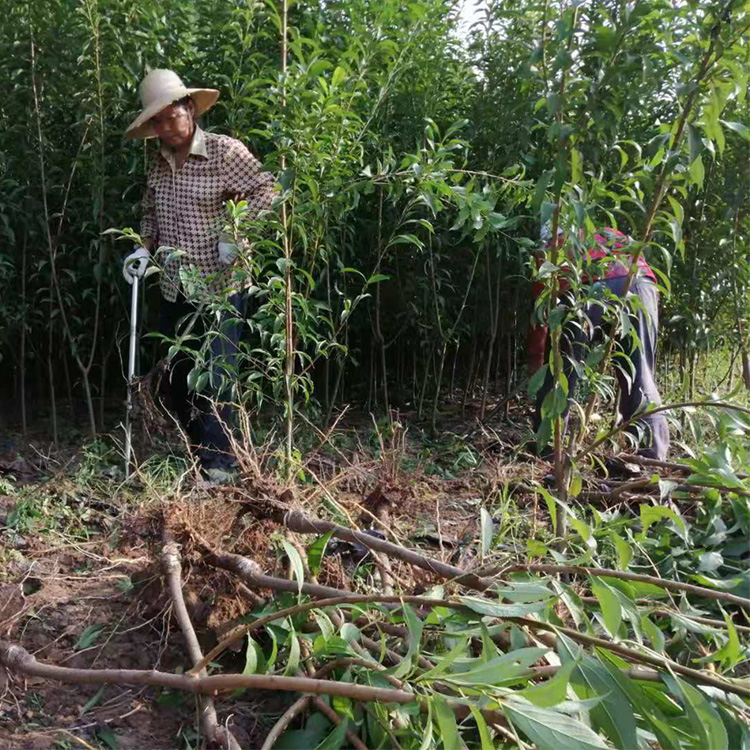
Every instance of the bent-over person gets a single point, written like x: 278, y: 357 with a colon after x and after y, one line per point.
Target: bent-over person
x: 608, y: 263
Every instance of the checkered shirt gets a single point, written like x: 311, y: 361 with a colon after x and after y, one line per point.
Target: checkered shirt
x: 184, y: 208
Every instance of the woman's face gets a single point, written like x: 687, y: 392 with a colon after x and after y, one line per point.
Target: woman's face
x: 174, y: 124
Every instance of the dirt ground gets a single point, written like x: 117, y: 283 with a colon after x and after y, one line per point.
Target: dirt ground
x: 81, y: 586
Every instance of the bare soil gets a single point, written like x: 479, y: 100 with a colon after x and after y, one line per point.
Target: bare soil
x: 85, y: 590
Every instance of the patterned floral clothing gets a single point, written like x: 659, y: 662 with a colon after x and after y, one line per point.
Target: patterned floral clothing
x: 184, y: 208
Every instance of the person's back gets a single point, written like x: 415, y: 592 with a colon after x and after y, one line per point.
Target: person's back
x: 608, y: 261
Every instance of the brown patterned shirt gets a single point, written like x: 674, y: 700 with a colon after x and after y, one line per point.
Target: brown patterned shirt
x: 184, y: 208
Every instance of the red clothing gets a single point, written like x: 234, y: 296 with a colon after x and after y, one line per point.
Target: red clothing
x: 609, y: 243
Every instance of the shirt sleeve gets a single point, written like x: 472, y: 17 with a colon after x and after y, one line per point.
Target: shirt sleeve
x: 244, y: 178
x: 149, y: 224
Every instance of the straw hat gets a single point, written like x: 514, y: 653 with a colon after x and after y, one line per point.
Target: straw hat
x: 159, y: 89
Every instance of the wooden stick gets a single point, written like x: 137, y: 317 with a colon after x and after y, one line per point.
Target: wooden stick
x: 299, y: 706
x: 299, y: 522
x: 172, y: 566
x: 737, y: 687
x: 623, y: 575
x: 634, y: 656
x: 18, y: 660
x: 668, y: 465
x: 252, y: 574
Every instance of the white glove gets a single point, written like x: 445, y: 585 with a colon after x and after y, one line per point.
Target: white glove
x: 228, y: 253
x: 135, y: 264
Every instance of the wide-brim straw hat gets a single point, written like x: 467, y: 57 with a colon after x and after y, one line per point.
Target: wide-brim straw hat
x: 159, y: 89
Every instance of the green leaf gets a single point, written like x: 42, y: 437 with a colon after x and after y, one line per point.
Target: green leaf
x: 576, y: 485
x: 551, y: 730
x: 108, y: 737
x: 336, y: 738
x: 576, y: 169
x: 251, y: 656
x: 738, y: 127
x: 446, y: 721
x: 704, y: 719
x: 501, y: 669
x: 339, y: 76
x: 296, y: 562
x: 427, y: 738
x: 623, y: 549
x: 292, y: 662
x: 316, y: 551
x: 650, y: 514
x: 551, y: 503
x: 541, y: 188
x: 550, y: 692
x: 89, y: 636
x: 695, y: 142
x: 487, y: 530
x: 614, y: 715
x: 697, y: 172
x: 484, y: 732
x: 535, y: 548
x: 350, y: 632
x: 653, y: 633
x: 497, y: 609
x: 638, y: 697
x: 730, y: 654
x: 609, y: 603
x: 442, y: 666
x: 91, y: 702
x: 584, y: 530
x: 415, y: 626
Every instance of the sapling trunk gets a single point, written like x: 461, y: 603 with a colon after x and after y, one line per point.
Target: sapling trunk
x: 53, y: 243
x: 494, y: 308
x: 470, y: 372
x: 51, y: 376
x: 380, y: 341
x: 24, y: 312
x: 288, y: 292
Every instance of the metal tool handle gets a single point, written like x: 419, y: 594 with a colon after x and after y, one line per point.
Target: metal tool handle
x: 131, y: 371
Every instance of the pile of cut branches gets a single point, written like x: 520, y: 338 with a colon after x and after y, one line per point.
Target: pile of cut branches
x: 563, y: 655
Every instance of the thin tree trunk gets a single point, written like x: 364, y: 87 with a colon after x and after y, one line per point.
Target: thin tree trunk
x: 494, y: 323
x: 424, y: 385
x: 438, y: 383
x: 24, y: 310
x: 288, y: 320
x: 69, y: 384
x: 470, y: 372
x: 453, y: 370
x: 378, y: 330
x: 51, y: 376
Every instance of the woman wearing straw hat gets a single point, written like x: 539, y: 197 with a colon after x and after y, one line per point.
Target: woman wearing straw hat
x: 192, y: 176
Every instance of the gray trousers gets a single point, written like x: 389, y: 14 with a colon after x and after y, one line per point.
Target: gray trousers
x: 638, y: 388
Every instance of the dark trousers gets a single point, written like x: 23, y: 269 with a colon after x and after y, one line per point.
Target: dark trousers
x: 638, y: 388
x: 197, y: 411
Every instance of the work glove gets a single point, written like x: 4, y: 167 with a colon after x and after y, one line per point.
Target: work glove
x: 135, y: 264
x: 228, y: 253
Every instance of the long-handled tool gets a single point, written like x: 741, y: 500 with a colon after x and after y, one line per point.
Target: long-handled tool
x: 131, y: 371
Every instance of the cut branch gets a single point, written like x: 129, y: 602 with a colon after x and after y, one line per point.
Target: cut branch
x: 18, y: 660
x: 623, y: 575
x: 172, y: 567
x: 299, y: 522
